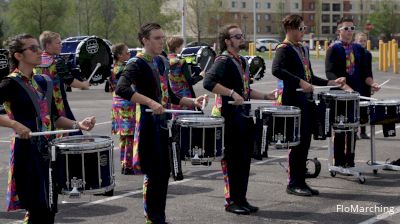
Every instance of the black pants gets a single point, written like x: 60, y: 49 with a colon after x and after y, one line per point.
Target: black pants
x: 344, y: 150
x: 155, y: 164
x: 40, y: 216
x: 239, y: 142
x: 298, y: 154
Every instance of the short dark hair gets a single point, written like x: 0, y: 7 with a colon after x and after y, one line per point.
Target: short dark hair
x: 15, y: 45
x: 344, y: 19
x: 225, y: 35
x: 117, y: 49
x: 292, y: 21
x: 145, y: 30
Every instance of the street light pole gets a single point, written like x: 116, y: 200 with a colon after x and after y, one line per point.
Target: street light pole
x: 183, y: 31
x: 254, y: 21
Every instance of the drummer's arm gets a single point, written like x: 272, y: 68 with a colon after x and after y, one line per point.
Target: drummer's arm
x: 374, y: 86
x: 254, y: 94
x: 80, y: 85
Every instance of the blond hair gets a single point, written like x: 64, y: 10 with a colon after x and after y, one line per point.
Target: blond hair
x: 46, y: 37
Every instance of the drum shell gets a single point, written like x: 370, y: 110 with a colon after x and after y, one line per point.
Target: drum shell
x: 364, y: 112
x: 92, y: 162
x: 199, y: 132
x: 384, y: 112
x: 200, y: 55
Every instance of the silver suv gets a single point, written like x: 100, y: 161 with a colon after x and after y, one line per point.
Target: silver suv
x: 263, y: 44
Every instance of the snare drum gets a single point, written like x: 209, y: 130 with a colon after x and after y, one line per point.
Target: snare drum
x: 85, y: 162
x: 344, y: 108
x: 384, y: 112
x: 364, y: 112
x: 280, y: 126
x: 201, y: 138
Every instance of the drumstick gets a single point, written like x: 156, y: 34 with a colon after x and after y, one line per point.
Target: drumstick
x: 367, y: 98
x: 255, y: 102
x: 208, y: 61
x: 259, y: 70
x: 94, y: 71
x: 203, y: 105
x: 178, y: 111
x: 383, y: 83
x: 317, y: 87
x: 32, y: 134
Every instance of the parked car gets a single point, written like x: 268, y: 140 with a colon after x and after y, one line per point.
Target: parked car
x: 263, y: 44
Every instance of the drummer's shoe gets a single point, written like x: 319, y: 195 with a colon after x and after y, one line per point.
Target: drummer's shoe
x: 364, y: 136
x: 249, y: 207
x: 299, y: 191
x: 313, y: 191
x: 234, y: 208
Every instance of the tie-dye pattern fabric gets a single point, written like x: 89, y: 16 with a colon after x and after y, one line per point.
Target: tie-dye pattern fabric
x: 227, y: 195
x: 177, y: 80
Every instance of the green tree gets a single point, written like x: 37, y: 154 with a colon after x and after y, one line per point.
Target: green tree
x: 35, y: 16
x: 385, y: 19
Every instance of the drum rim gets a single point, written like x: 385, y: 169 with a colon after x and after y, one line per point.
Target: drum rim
x: 365, y: 103
x: 96, y: 145
x: 341, y: 94
x: 215, y: 120
x: 293, y: 110
x: 385, y: 103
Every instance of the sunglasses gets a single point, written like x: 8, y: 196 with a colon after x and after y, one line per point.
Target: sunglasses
x: 347, y: 28
x: 302, y: 28
x: 33, y: 48
x: 237, y: 36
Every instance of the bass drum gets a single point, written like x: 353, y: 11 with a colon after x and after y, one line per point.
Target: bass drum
x: 202, y: 56
x: 256, y: 67
x: 4, y: 65
x: 84, y: 53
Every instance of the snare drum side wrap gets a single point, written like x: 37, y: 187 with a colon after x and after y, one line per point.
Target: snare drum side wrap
x: 384, y: 112
x: 200, y: 137
x: 86, y: 161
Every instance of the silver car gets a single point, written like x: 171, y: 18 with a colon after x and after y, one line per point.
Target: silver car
x: 263, y: 44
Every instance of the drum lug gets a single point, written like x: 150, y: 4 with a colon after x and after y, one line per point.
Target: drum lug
x: 76, y: 183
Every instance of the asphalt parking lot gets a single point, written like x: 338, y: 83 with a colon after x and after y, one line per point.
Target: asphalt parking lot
x: 199, y: 197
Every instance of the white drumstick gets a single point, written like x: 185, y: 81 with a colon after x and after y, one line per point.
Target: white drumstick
x: 32, y: 134
x: 383, y: 83
x: 259, y: 70
x: 208, y: 62
x: 178, y: 111
x: 94, y: 71
x: 318, y: 87
x: 255, y: 102
x: 367, y: 98
x: 203, y: 105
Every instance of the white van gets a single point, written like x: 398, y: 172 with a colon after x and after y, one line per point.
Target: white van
x: 263, y: 44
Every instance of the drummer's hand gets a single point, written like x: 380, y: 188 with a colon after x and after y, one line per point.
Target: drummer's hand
x: 156, y: 107
x: 237, y: 98
x: 273, y: 95
x: 198, y: 102
x: 307, y: 87
x: 375, y: 87
x: 85, y: 85
x: 340, y: 82
x: 21, y: 130
x: 87, y: 124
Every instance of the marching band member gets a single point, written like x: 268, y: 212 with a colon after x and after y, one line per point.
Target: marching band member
x: 145, y: 82
x: 30, y: 106
x: 56, y: 68
x: 348, y: 60
x: 292, y: 65
x: 123, y: 111
x: 229, y: 77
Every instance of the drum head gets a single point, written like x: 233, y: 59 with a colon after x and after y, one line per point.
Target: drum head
x: 199, y: 121
x: 4, y: 64
x: 86, y: 52
x: 364, y: 103
x: 82, y: 142
x: 256, y: 67
x: 386, y: 102
x: 289, y: 110
x: 339, y: 94
x: 203, y: 56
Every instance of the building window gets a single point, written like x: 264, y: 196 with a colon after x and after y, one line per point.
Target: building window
x: 334, y: 28
x: 350, y: 6
x: 258, y: 17
x: 326, y: 7
x: 336, y: 7
x: 312, y: 29
x: 335, y: 18
x: 235, y: 16
x: 258, y: 29
x: 267, y: 17
x: 268, y: 29
x: 325, y: 30
x: 372, y: 7
x: 311, y: 6
x: 257, y: 5
x: 268, y: 5
x: 296, y: 5
x: 361, y: 6
x: 311, y: 17
x: 325, y: 18
x: 233, y: 4
x: 244, y: 5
